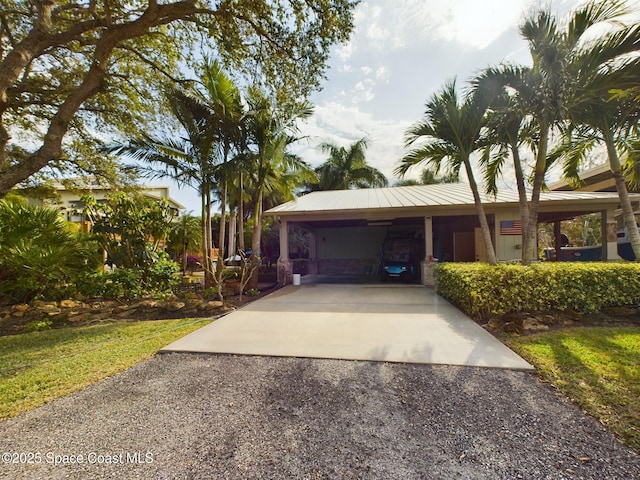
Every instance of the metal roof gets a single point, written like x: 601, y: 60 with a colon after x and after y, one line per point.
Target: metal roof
x: 438, y: 197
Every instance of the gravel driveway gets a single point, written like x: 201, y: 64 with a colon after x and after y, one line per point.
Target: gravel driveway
x: 200, y: 416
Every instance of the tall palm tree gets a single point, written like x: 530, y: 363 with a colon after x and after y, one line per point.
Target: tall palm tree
x: 189, y: 160
x: 347, y: 168
x: 504, y: 134
x: 269, y: 164
x: 451, y: 133
x: 211, y: 117
x: 544, y: 90
x: 599, y: 68
x: 221, y: 98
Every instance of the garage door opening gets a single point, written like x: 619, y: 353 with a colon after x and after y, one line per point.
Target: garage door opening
x: 357, y: 251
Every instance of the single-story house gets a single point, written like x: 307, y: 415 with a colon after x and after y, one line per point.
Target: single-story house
x: 348, y: 228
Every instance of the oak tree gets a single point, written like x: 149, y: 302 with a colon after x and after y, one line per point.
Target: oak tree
x: 74, y: 71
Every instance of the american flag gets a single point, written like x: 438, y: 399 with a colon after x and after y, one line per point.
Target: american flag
x: 510, y: 227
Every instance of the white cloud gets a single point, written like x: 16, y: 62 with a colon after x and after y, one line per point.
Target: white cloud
x: 384, y: 26
x: 343, y: 125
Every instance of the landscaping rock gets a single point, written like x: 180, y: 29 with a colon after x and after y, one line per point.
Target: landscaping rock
x: 69, y: 304
x: 80, y: 317
x: 126, y: 313
x: 173, y: 306
x: 192, y: 303
x: 212, y: 305
x: 512, y: 327
x: 621, y: 311
x: 148, y: 304
x: 534, y: 325
x: 46, y: 307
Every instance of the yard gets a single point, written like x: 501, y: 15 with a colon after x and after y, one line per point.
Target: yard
x: 39, y: 367
x: 598, y: 368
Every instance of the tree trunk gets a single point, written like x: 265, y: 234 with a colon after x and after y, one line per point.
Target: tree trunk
x: 205, y: 237
x: 522, y: 200
x: 484, y: 225
x: 621, y: 186
x: 208, y: 261
x: 241, y: 219
x: 538, y: 180
x: 255, y: 242
x: 232, y: 232
x: 223, y: 221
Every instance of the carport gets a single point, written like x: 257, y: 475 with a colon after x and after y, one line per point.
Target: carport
x: 347, y: 229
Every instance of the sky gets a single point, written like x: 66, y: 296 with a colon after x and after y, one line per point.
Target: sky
x: 400, y: 53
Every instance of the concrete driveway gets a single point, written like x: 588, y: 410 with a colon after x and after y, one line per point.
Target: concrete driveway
x: 391, y: 323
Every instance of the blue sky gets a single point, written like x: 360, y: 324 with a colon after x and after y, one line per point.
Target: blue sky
x: 400, y: 53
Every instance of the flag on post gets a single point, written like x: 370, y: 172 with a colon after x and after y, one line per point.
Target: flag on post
x: 510, y: 227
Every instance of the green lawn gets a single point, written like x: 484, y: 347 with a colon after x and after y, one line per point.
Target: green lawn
x: 597, y: 367
x: 38, y: 367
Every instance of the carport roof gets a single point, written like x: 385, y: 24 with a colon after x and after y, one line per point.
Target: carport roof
x: 435, y: 198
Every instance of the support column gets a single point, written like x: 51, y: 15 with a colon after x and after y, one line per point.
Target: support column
x: 557, y: 241
x: 427, y: 263
x: 609, y: 236
x: 285, y: 267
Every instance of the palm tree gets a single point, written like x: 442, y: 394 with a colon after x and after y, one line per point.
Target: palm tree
x: 221, y: 97
x: 599, y: 68
x: 189, y: 160
x: 505, y: 132
x: 212, y: 119
x: 269, y: 164
x: 451, y: 131
x: 544, y: 91
x: 347, y: 168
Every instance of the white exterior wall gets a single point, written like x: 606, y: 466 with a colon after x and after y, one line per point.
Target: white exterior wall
x: 508, y: 247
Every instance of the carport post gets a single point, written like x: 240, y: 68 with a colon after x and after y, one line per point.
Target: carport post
x: 285, y: 267
x: 609, y: 236
x: 427, y: 263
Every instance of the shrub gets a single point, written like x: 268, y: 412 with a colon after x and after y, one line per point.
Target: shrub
x: 39, y: 254
x: 38, y: 325
x: 127, y: 283
x: 481, y: 290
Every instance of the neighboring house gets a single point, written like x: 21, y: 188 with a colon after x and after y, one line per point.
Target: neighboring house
x: 596, y: 179
x: 348, y: 227
x: 71, y: 205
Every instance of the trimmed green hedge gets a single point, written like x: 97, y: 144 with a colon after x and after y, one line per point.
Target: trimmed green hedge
x: 481, y: 290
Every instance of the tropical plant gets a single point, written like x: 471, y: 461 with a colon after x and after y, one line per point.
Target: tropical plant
x: 131, y: 228
x: 505, y: 132
x: 347, y: 168
x: 185, y: 236
x: 567, y: 76
x: 270, y: 167
x: 450, y: 133
x: 599, y: 68
x: 40, y: 254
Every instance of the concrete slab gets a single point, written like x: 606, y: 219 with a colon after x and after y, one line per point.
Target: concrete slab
x: 390, y: 323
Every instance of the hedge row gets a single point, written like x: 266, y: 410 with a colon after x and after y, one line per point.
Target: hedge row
x: 481, y: 290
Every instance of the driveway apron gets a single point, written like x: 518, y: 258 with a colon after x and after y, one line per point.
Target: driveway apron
x: 390, y: 323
